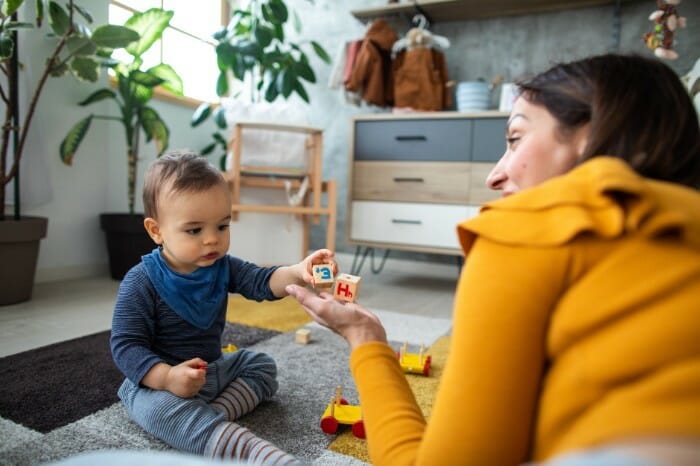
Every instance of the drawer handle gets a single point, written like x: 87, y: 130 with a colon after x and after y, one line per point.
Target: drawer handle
x: 411, y: 138
x: 406, y: 222
x: 408, y: 180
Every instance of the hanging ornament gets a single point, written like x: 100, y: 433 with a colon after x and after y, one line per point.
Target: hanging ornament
x: 666, y: 21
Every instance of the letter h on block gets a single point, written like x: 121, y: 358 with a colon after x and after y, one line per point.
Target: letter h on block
x: 346, y: 287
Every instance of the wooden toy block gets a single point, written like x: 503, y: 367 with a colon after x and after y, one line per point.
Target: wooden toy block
x: 323, y: 275
x: 303, y: 336
x: 346, y: 287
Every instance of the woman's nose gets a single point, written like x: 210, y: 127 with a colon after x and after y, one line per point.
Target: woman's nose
x: 497, y: 177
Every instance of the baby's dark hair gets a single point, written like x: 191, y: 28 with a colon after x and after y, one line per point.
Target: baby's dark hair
x: 178, y: 171
x: 637, y: 108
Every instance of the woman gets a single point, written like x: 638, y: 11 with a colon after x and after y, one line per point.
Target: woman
x: 576, y: 316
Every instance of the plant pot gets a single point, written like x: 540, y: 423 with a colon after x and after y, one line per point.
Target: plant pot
x: 19, y: 250
x: 127, y: 241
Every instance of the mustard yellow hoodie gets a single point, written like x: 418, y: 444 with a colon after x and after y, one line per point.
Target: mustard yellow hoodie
x: 576, y: 323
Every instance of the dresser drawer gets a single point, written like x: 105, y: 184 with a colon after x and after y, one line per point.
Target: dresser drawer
x: 478, y: 191
x: 489, y: 141
x: 427, y: 225
x: 437, y: 182
x: 413, y: 140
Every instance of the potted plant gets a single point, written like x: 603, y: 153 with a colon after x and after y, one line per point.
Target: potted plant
x: 254, y: 46
x: 127, y: 240
x: 79, y: 51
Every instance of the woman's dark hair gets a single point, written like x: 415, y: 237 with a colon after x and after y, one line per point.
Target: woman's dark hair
x: 637, y: 108
x: 178, y: 171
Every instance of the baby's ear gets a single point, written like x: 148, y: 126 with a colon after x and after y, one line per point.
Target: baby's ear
x: 153, y: 229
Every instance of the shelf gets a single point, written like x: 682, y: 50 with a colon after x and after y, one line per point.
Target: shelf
x: 462, y: 10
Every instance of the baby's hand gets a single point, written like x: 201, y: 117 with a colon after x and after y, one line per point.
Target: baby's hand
x: 186, y: 379
x: 322, y: 256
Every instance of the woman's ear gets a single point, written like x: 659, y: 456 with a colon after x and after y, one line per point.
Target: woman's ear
x: 153, y: 230
x: 581, y: 139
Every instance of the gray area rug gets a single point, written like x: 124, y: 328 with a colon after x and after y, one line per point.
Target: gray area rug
x: 308, y: 375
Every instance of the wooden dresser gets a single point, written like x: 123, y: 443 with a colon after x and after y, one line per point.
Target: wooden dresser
x: 413, y: 177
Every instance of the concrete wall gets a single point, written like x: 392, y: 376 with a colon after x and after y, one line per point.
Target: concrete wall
x: 73, y: 197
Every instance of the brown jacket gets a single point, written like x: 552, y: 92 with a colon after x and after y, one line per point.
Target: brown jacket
x: 420, y: 76
x: 371, y: 75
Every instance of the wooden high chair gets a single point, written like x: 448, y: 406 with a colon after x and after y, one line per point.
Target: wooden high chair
x: 310, y: 208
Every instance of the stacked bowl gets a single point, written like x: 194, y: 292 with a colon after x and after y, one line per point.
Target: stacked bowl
x: 472, y: 96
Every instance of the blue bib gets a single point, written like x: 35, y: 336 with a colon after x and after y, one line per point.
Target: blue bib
x: 197, y: 297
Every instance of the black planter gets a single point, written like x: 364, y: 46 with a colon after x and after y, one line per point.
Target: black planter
x: 127, y: 241
x: 19, y: 250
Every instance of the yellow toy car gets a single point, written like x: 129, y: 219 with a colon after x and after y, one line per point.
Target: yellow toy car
x: 338, y: 412
x: 414, y: 363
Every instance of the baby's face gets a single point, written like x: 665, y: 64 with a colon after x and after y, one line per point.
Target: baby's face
x: 194, y: 227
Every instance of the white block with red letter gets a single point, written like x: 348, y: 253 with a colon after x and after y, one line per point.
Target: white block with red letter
x: 346, y: 287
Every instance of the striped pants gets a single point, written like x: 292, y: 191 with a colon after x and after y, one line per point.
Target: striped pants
x: 188, y: 423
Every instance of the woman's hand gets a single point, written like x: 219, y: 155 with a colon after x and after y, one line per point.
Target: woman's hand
x: 349, y: 320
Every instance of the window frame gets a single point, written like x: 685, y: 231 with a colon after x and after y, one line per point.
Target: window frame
x: 160, y: 93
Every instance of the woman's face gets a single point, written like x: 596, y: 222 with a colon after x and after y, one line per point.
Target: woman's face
x: 536, y: 151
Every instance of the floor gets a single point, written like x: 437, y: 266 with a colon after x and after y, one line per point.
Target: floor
x: 60, y: 311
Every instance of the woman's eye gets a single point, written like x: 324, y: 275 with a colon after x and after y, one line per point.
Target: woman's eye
x: 193, y: 231
x: 511, y: 141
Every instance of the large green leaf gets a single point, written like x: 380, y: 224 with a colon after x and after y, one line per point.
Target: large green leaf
x: 141, y: 94
x: 303, y: 69
x: 220, y: 117
x: 85, y: 69
x: 171, y: 80
x: 320, y: 51
x: 10, y: 6
x: 18, y: 25
x: 98, y: 95
x: 225, y: 54
x: 112, y: 36
x: 271, y: 92
x: 7, y: 46
x: 222, y: 84
x: 84, y: 13
x: 201, y: 114
x: 58, y: 19
x: 299, y: 88
x: 279, y: 10
x: 263, y: 35
x: 208, y: 149
x: 72, y: 141
x: 150, y: 25
x: 155, y: 129
x: 78, y: 45
x: 285, y: 82
x: 145, y: 78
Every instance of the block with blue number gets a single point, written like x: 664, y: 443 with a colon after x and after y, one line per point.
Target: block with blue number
x: 346, y: 287
x: 323, y: 275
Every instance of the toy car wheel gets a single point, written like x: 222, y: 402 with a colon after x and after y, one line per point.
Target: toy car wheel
x: 329, y: 425
x: 343, y: 401
x: 358, y: 429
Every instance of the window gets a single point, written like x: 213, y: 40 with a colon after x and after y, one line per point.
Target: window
x: 186, y: 45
